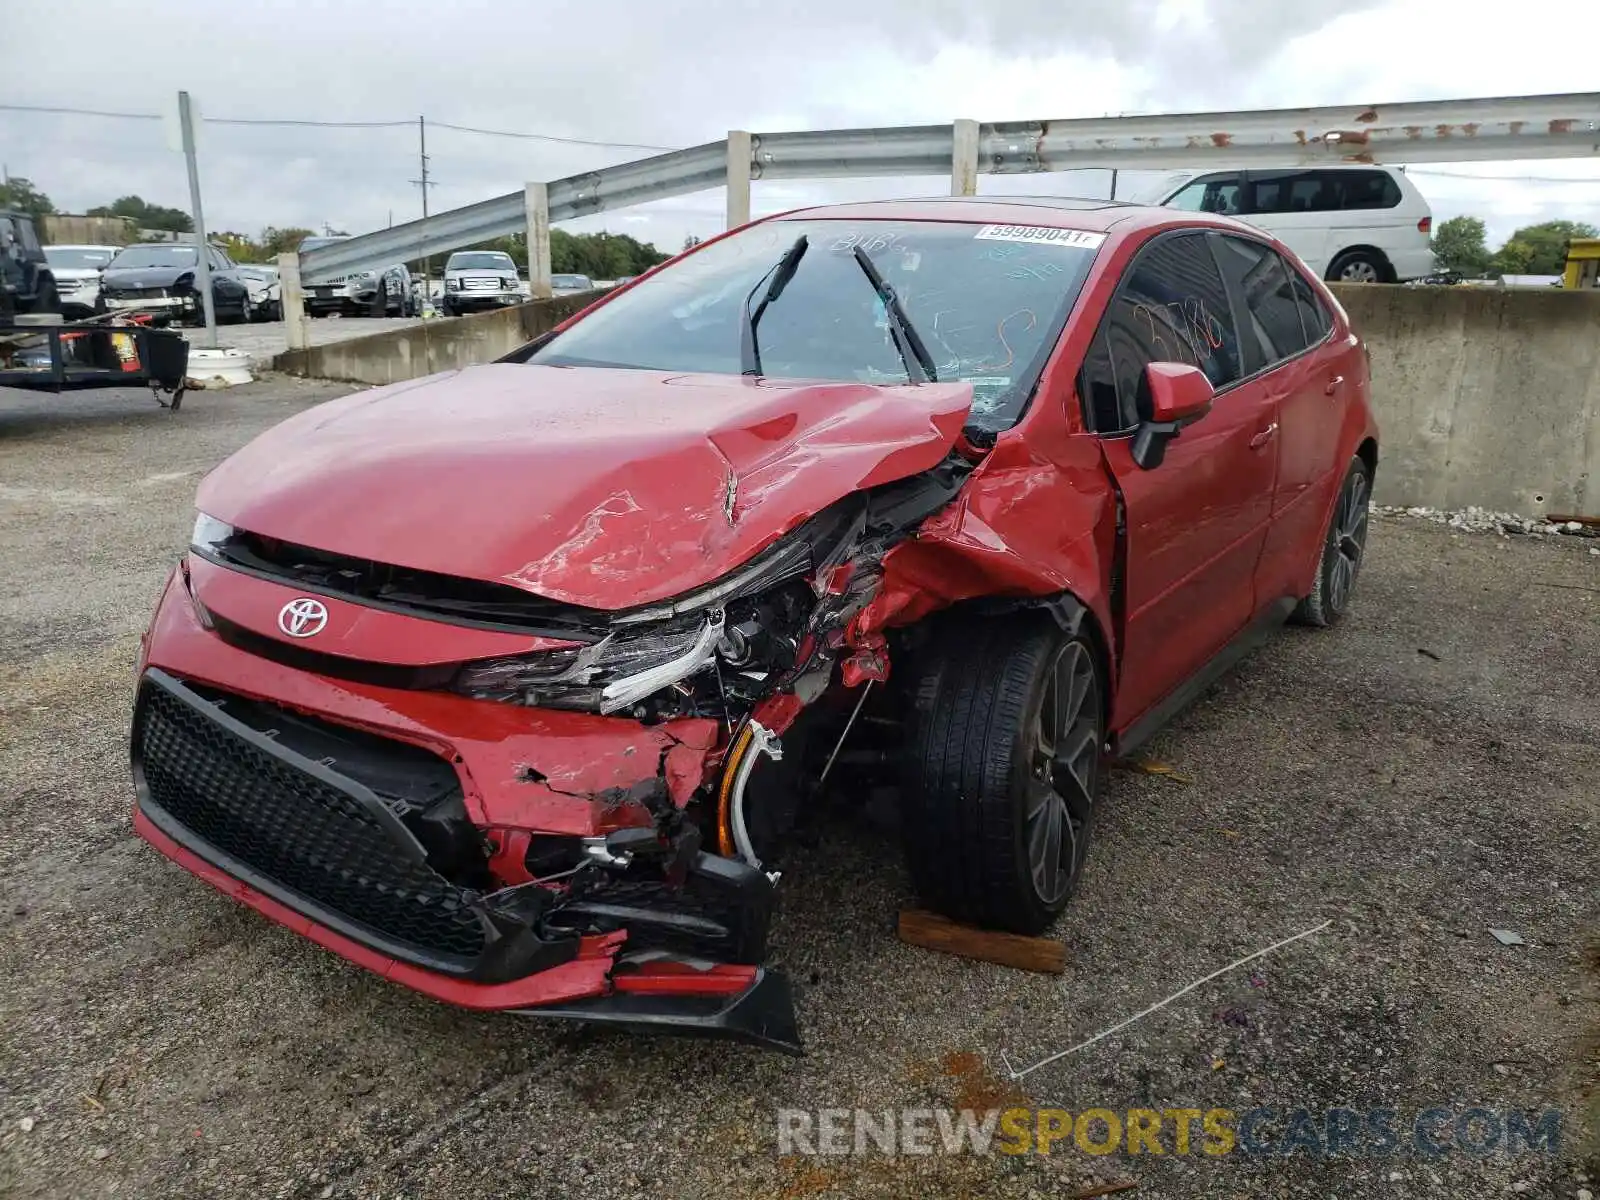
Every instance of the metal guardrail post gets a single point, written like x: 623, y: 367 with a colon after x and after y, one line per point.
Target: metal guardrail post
x: 964, y: 159
x: 536, y: 200
x: 292, y: 298
x: 738, y: 178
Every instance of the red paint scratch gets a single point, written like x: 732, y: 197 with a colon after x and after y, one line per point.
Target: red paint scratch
x: 1368, y: 117
x: 1561, y: 125
x: 1221, y: 139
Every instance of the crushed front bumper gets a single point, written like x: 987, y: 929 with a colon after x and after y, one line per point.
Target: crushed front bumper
x: 249, y: 807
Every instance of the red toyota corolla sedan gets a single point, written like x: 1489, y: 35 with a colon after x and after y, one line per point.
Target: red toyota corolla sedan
x: 508, y: 683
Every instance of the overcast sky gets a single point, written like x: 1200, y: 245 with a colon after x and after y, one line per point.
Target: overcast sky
x: 680, y: 74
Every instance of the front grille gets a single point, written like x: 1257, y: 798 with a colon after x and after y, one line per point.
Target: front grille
x: 335, y: 666
x: 481, y: 285
x: 239, y: 793
x: 149, y: 293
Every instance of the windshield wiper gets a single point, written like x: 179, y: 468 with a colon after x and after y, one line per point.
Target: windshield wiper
x: 906, y: 339
x: 749, y: 350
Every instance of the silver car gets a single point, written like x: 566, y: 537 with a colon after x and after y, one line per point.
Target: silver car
x: 570, y: 285
x: 266, y: 292
x: 377, y: 293
x: 475, y: 280
x: 77, y: 271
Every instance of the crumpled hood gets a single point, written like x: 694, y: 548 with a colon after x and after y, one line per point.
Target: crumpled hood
x: 600, y: 487
x: 144, y: 277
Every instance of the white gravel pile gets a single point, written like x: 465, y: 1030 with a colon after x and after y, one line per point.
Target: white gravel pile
x: 1482, y: 520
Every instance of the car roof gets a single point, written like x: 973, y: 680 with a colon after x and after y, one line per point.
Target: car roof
x: 1055, y: 212
x: 82, y: 246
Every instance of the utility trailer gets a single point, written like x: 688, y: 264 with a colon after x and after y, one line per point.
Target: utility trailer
x: 50, y: 355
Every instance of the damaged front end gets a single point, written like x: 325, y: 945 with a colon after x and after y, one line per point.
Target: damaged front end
x: 602, y: 850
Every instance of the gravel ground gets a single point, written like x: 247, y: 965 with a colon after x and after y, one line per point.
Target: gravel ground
x: 1416, y: 777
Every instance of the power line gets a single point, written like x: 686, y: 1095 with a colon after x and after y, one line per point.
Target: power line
x: 550, y: 137
x: 78, y: 112
x: 57, y: 110
x: 312, y: 124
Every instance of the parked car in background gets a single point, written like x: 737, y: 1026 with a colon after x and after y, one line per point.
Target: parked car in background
x: 381, y: 292
x: 511, y: 682
x: 475, y: 280
x: 77, y: 271
x: 570, y: 285
x: 1347, y: 223
x: 27, y: 280
x: 159, y: 277
x: 266, y: 292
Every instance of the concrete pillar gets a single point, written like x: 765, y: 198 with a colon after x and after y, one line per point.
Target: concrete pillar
x: 738, y: 178
x: 293, y: 299
x: 964, y: 159
x: 536, y: 203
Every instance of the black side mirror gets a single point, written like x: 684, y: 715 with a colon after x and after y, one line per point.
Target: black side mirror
x: 1176, y: 394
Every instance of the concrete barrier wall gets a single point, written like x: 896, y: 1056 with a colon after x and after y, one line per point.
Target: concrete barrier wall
x: 1485, y: 396
x: 433, y: 345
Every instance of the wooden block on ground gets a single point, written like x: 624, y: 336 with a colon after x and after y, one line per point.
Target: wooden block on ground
x: 933, y: 932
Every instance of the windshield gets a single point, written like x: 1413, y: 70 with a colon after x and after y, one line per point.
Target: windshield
x: 571, y: 281
x: 480, y: 262
x: 988, y: 301
x: 154, y: 256
x: 78, y: 258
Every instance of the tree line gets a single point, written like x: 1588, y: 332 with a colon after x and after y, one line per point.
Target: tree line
x: 597, y: 255
x: 1460, y: 246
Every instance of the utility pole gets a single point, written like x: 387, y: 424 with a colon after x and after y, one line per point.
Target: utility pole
x: 202, y: 267
x: 424, y: 183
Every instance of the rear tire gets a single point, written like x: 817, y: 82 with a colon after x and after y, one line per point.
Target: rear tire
x: 1344, y: 545
x: 1360, y: 266
x: 1003, y: 771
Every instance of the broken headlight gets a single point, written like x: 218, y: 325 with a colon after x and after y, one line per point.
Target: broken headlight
x: 209, y: 533
x: 612, y: 674
x: 748, y: 621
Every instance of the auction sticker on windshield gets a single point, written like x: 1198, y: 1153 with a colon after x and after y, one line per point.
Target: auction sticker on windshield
x: 1042, y: 234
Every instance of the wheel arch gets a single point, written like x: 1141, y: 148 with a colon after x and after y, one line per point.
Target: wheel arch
x: 1065, y: 608
x: 1367, y: 452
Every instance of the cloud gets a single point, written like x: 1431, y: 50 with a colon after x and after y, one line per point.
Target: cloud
x: 675, y: 75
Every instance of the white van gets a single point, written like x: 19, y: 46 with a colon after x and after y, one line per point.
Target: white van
x: 1353, y: 224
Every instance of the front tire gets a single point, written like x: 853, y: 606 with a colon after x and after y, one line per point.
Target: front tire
x: 1344, y: 545
x: 1003, y: 771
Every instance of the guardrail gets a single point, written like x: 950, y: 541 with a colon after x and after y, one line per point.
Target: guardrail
x: 1515, y: 127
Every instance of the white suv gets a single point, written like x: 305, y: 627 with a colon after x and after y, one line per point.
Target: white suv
x: 1351, y: 224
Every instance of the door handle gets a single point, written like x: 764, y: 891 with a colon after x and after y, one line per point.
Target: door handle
x: 1334, y: 385
x: 1265, y: 436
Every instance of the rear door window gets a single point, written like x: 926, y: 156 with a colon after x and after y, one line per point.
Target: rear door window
x: 1268, y: 310
x: 1314, y: 315
x: 1293, y: 192
x: 1172, y: 306
x: 1368, y: 189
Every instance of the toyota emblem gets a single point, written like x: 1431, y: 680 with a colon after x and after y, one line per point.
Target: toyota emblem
x: 303, y: 617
